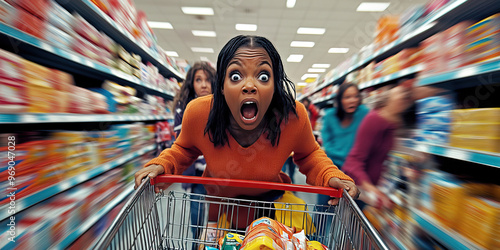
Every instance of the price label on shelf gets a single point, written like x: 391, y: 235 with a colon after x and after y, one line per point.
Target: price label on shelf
x: 467, y: 72
x: 64, y: 186
x: 47, y: 47
x: 422, y: 148
x: 457, y: 154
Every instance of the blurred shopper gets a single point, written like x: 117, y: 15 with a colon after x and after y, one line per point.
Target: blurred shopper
x: 340, y: 125
x: 312, y: 112
x: 374, y: 139
x: 200, y: 80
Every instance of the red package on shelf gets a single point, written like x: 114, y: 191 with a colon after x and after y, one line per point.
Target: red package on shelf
x: 28, y: 23
x: 86, y: 30
x: 38, y: 8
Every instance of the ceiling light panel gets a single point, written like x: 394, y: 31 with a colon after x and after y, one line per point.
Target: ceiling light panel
x: 202, y: 50
x: 204, y: 33
x: 311, y: 31
x: 295, y: 58
x: 198, y: 11
x: 302, y: 44
x: 372, y: 7
x: 338, y: 50
x: 305, y: 76
x: 160, y: 25
x: 290, y: 3
x: 246, y: 27
x: 302, y: 84
x: 172, y: 53
x: 321, y: 65
x: 313, y: 70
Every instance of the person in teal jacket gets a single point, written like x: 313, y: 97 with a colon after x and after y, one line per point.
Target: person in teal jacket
x: 340, y: 125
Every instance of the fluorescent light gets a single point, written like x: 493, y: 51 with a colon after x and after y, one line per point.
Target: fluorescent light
x: 198, y: 11
x: 171, y: 53
x: 338, y: 50
x: 305, y: 76
x: 321, y: 65
x: 372, y: 7
x: 302, y: 84
x: 205, y: 33
x: 311, y: 31
x: 204, y: 58
x: 246, y: 27
x: 202, y: 50
x: 295, y: 58
x: 290, y: 3
x: 303, y: 44
x: 160, y: 25
x: 312, y: 70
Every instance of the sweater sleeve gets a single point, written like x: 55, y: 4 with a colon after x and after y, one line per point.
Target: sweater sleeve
x: 183, y: 152
x: 311, y: 159
x: 367, y: 135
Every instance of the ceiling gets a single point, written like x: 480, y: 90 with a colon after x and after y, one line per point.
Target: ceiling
x: 344, y: 27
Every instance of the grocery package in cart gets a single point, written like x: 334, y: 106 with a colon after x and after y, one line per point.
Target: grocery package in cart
x: 162, y: 221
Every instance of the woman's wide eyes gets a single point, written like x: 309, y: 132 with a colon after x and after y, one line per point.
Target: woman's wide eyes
x: 235, y: 77
x: 264, y: 78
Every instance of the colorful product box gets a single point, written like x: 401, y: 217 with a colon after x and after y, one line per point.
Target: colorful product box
x: 435, y: 104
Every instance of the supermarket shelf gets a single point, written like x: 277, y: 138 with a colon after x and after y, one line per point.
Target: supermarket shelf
x: 481, y: 157
x: 396, y: 242
x: 89, y: 222
x: 73, y: 62
x: 446, y: 237
x: 490, y: 68
x: 72, y: 118
x: 400, y: 74
x: 67, y: 184
x: 324, y: 99
x: 445, y: 17
x: 103, y: 22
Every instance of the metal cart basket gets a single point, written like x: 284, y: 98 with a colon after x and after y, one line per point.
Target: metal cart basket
x: 164, y: 221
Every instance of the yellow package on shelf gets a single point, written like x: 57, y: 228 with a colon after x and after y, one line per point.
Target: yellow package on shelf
x: 490, y: 144
x: 477, y: 129
x: 447, y: 198
x: 481, y: 221
x: 484, y: 115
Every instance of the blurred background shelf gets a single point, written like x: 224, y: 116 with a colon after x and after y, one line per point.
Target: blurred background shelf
x: 103, y: 22
x: 442, y: 234
x: 472, y: 75
x: 89, y: 222
x: 400, y: 74
x: 73, y: 118
x: 481, y: 157
x: 48, y: 192
x: 43, y: 52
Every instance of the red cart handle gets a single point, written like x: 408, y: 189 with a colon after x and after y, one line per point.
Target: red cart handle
x: 167, y: 178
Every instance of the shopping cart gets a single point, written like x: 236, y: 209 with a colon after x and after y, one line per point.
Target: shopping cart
x: 162, y: 221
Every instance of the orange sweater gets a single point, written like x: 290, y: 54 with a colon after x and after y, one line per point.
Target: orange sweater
x: 260, y: 161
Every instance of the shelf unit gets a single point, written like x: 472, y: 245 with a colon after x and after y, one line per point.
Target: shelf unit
x: 89, y: 222
x: 446, y: 237
x: 391, y: 77
x: 48, y: 192
x: 450, y: 14
x: 103, y: 22
x: 73, y: 118
x: 461, y: 77
x: 73, y: 62
x: 480, y: 157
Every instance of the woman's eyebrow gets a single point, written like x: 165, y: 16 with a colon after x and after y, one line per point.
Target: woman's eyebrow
x: 234, y: 61
x: 265, y: 62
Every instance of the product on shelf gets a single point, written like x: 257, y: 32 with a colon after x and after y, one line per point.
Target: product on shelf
x: 434, y: 119
x: 476, y: 129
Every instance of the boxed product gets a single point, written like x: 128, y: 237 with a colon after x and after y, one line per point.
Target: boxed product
x: 481, y: 143
x: 438, y: 121
x: 38, y: 8
x: 434, y: 104
x: 481, y: 221
x: 481, y: 115
x: 485, y: 27
x: 455, y: 45
x: 434, y: 137
x: 477, y: 129
x: 28, y: 23
x: 447, y: 197
x: 60, y: 18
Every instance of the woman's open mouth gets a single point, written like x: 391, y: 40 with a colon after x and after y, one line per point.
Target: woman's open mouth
x: 249, y: 111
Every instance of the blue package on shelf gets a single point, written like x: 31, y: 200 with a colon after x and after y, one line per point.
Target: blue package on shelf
x: 434, y: 137
x: 439, y: 121
x: 109, y: 98
x: 435, y: 104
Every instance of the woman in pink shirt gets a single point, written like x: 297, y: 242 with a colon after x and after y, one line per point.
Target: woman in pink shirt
x: 374, y: 140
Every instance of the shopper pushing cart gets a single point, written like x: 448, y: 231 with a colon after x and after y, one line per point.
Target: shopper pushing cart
x: 246, y: 130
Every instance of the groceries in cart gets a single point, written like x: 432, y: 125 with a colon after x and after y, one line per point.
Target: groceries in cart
x: 265, y: 234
